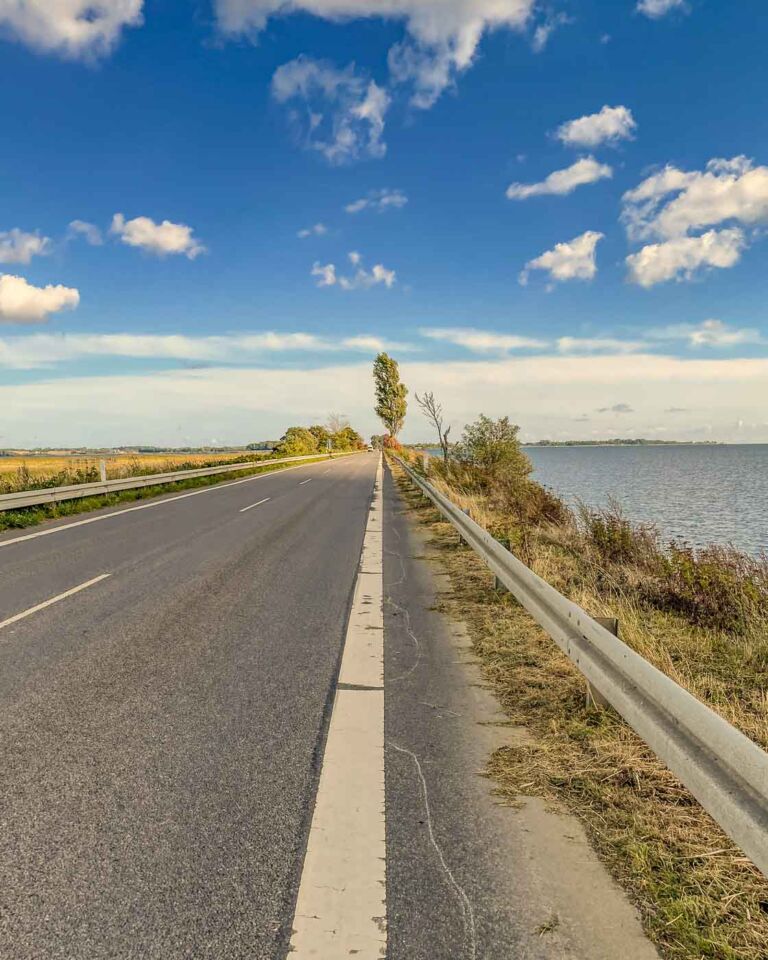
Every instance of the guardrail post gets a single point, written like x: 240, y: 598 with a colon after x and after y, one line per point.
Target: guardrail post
x: 594, y: 697
x: 103, y: 470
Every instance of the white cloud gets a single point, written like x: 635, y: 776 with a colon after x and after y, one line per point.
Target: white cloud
x: 572, y: 260
x: 89, y: 231
x: 660, y: 8
x: 482, y: 341
x: 240, y: 404
x: 442, y: 35
x: 609, y: 126
x: 561, y: 182
x: 158, y: 238
x: 326, y: 274
x: 362, y: 279
x: 19, y: 247
x: 20, y: 302
x: 674, y: 202
x: 710, y: 333
x: 317, y: 230
x: 70, y: 28
x: 341, y: 112
x: 30, y: 352
x: 546, y: 28
x: 682, y: 257
x: 598, y: 345
x: 378, y: 200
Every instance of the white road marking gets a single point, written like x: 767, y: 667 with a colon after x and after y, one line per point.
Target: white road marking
x: 341, y: 908
x: 265, y: 500
x: 48, y: 603
x: 148, y: 506
x: 301, y: 484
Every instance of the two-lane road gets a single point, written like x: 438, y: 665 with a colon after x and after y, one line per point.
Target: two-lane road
x: 160, y: 728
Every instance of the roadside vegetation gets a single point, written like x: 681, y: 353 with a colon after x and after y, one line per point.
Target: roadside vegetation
x: 700, y: 615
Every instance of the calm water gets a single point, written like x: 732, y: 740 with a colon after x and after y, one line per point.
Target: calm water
x: 704, y: 494
x: 699, y: 494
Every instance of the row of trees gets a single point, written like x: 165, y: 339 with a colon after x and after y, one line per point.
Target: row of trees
x: 335, y: 435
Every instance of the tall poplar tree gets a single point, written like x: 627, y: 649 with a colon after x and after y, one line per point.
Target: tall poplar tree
x: 391, y: 404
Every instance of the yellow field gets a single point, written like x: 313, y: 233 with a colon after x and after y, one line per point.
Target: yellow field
x: 26, y: 472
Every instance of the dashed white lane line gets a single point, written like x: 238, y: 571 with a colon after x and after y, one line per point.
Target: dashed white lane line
x: 49, y: 603
x: 147, y: 506
x: 305, y: 481
x: 265, y: 500
x: 341, y: 908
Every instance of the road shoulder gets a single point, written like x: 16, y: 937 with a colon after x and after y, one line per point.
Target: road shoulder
x: 470, y: 877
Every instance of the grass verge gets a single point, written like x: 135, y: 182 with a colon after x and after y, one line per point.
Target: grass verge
x: 31, y: 516
x: 698, y: 895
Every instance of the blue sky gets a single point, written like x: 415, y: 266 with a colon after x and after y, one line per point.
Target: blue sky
x: 161, y: 162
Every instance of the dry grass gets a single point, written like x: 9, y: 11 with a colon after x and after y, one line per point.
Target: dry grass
x: 33, y: 472
x: 698, y: 895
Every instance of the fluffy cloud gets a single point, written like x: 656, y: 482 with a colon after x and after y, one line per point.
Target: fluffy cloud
x: 378, y: 200
x: 561, y: 182
x: 89, y: 231
x: 660, y: 8
x: 610, y: 125
x: 572, y: 260
x: 318, y: 230
x: 673, y: 204
x: 20, y: 302
x: 682, y: 257
x: 482, y: 341
x: 70, y: 28
x: 362, y: 279
x: 158, y: 238
x: 19, y: 247
x: 442, y: 35
x: 340, y: 113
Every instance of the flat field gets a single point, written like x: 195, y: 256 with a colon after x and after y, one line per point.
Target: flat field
x: 29, y: 472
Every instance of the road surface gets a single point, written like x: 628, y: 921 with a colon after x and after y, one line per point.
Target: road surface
x: 231, y: 726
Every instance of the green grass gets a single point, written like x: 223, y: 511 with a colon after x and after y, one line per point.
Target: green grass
x: 31, y: 516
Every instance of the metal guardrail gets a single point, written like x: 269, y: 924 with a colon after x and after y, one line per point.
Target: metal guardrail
x: 725, y: 770
x: 34, y: 498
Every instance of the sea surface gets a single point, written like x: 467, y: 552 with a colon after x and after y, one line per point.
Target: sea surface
x: 700, y: 494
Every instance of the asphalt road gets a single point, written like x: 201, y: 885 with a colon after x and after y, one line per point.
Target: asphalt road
x: 160, y: 730
x: 204, y: 697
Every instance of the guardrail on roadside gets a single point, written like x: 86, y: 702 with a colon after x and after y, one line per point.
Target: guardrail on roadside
x: 725, y: 770
x: 34, y: 498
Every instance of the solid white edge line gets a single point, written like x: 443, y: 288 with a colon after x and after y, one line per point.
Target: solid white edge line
x: 48, y: 603
x: 341, y: 908
x: 246, y: 509
x: 154, y: 503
